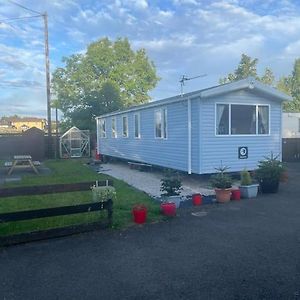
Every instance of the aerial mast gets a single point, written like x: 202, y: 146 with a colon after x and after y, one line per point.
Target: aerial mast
x: 185, y: 78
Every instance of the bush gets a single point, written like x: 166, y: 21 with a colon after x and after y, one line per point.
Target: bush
x: 221, y: 180
x: 171, y: 184
x: 271, y: 168
x: 103, y: 193
x: 245, y: 178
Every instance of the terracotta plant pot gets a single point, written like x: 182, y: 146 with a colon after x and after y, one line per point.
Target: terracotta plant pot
x: 235, y: 194
x: 139, y: 213
x: 284, y: 177
x: 223, y: 195
x: 168, y: 209
x: 197, y: 199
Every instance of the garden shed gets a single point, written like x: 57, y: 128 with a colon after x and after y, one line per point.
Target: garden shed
x: 237, y: 123
x: 75, y: 143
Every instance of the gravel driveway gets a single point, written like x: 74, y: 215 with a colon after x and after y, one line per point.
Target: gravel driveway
x: 149, y: 181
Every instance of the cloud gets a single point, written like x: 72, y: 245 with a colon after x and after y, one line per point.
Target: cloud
x: 188, y: 37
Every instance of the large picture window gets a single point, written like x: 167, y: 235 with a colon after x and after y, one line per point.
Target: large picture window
x: 243, y: 119
x: 263, y: 119
x: 222, y: 119
x: 102, y: 128
x: 238, y: 119
x: 137, y: 126
x: 125, y: 126
x: 161, y: 123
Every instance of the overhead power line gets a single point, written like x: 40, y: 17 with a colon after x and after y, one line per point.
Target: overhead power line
x: 26, y: 8
x: 45, y: 18
x: 19, y: 18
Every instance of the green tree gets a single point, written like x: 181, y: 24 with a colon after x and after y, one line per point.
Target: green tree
x: 291, y: 85
x: 109, y: 76
x: 268, y: 77
x: 248, y: 67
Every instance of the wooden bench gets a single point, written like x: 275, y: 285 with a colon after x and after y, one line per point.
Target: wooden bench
x: 139, y: 166
x: 10, y: 163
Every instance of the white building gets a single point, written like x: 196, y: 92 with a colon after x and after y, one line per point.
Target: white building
x: 291, y: 125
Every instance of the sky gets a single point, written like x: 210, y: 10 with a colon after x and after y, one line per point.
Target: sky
x: 181, y: 37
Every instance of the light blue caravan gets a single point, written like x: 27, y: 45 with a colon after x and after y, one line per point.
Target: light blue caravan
x: 237, y: 123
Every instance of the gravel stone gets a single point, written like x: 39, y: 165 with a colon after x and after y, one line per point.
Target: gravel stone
x: 149, y: 181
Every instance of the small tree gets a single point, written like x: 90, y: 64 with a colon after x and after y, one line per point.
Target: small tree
x: 221, y: 180
x: 171, y: 184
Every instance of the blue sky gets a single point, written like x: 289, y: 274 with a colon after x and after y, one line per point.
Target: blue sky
x: 189, y: 37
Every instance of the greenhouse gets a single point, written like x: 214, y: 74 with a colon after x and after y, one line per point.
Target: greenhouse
x: 75, y: 143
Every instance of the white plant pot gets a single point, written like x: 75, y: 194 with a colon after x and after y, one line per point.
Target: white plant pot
x: 174, y: 199
x: 249, y: 191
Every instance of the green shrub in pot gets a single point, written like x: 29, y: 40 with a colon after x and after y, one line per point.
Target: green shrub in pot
x: 171, y: 187
x: 269, y: 173
x: 247, y: 188
x: 103, y: 193
x: 222, y: 182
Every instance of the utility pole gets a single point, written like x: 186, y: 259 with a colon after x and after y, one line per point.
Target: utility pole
x: 45, y: 17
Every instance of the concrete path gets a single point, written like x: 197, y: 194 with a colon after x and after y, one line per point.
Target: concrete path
x: 247, y: 249
x: 149, y: 181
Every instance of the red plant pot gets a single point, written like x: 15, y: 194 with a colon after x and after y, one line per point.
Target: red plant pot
x: 236, y: 194
x: 197, y: 199
x: 168, y: 209
x: 139, y: 213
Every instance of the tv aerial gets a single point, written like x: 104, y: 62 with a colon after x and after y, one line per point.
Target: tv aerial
x: 185, y: 78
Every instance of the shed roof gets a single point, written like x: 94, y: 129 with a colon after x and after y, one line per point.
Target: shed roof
x: 245, y: 84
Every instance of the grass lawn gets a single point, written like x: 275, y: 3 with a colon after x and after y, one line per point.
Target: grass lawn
x: 71, y: 171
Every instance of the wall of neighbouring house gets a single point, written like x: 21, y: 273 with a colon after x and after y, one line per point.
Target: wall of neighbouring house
x: 291, y: 125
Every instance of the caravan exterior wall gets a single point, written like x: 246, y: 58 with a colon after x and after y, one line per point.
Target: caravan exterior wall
x: 189, y: 129
x: 170, y: 151
x: 224, y: 148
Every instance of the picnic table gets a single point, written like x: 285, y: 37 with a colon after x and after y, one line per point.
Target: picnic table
x: 22, y: 161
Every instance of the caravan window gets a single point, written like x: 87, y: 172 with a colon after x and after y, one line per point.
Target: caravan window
x: 137, y: 126
x: 242, y: 119
x: 124, y: 126
x: 102, y: 128
x: 113, y: 128
x: 161, y: 123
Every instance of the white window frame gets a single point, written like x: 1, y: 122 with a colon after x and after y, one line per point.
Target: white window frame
x: 256, y: 115
x: 102, y: 133
x: 114, y: 131
x: 164, y: 123
x: 139, y: 125
x: 127, y: 133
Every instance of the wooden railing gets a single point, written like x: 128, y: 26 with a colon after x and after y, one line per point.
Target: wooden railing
x: 53, y: 212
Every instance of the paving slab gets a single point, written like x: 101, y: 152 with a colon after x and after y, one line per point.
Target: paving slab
x: 149, y: 181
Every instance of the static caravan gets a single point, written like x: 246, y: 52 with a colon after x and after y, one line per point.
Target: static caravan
x: 237, y: 123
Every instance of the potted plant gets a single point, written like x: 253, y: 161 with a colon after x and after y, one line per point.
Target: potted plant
x: 103, y: 193
x: 171, y: 189
x: 139, y: 212
x: 269, y: 173
x: 197, y: 199
x: 248, y: 188
x: 222, y: 182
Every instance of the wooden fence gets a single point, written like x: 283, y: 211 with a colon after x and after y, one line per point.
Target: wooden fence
x: 291, y: 150
x: 53, y: 212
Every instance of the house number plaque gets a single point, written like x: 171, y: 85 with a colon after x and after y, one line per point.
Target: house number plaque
x: 243, y: 152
